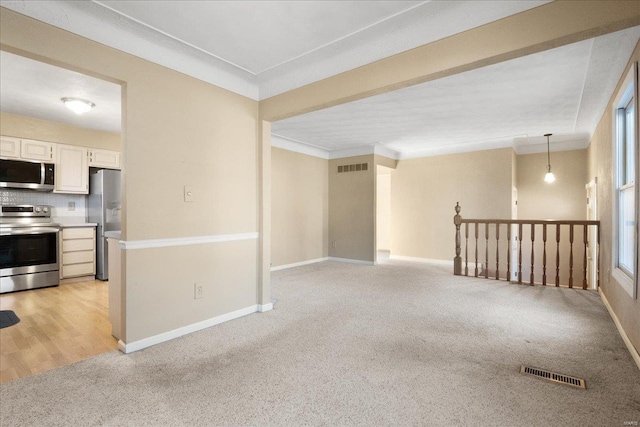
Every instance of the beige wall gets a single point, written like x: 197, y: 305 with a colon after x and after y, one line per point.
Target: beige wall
x: 600, y: 163
x: 563, y: 199
x: 352, y: 210
x: 299, y: 207
x: 44, y: 130
x: 383, y: 209
x: 425, y: 192
x: 176, y: 131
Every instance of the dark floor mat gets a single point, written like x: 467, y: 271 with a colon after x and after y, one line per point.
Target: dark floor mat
x: 8, y: 318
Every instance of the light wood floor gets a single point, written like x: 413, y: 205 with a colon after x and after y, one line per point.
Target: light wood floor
x: 58, y: 326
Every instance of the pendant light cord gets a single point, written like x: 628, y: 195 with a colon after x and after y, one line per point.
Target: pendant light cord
x: 548, y: 155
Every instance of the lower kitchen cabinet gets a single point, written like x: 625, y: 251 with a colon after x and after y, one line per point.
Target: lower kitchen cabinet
x: 77, y: 252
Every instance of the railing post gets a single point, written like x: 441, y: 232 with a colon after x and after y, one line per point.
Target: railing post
x: 457, y: 261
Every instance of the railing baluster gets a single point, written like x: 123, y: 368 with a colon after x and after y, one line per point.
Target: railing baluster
x: 598, y: 263
x: 486, y: 250
x: 533, y: 238
x: 457, y: 261
x: 508, y: 252
x: 466, y: 249
x: 557, y: 255
x: 520, y: 253
x: 584, y: 260
x: 544, y: 254
x: 571, y: 255
x: 497, y: 251
x: 476, y: 250
x: 590, y: 278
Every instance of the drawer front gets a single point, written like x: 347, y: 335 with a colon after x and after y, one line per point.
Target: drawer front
x: 78, y: 233
x: 79, y: 257
x: 78, y: 270
x: 77, y: 245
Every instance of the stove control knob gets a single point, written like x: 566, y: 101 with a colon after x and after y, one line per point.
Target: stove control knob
x: 38, y: 208
x: 45, y: 209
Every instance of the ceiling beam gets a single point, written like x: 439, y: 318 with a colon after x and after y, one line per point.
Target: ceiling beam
x: 545, y: 27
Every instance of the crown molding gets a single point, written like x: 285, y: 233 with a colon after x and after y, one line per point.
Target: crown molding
x: 520, y: 144
x: 558, y: 143
x: 279, y: 141
x: 103, y: 25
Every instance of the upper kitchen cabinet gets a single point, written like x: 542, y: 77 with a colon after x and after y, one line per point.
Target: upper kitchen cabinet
x: 72, y: 169
x: 36, y: 150
x: 25, y: 149
x: 9, y: 147
x: 104, y: 159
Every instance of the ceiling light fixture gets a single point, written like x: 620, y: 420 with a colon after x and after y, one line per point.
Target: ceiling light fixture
x: 549, y: 176
x: 77, y: 105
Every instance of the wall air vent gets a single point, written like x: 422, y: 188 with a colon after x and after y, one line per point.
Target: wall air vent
x: 358, y: 167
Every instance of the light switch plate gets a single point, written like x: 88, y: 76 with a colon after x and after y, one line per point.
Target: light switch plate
x: 189, y: 193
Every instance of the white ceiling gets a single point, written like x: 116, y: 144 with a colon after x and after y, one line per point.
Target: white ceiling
x: 260, y: 49
x: 562, y: 91
x: 33, y: 89
x: 257, y: 35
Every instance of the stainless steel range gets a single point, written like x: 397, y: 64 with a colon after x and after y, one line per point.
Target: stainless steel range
x: 29, y: 255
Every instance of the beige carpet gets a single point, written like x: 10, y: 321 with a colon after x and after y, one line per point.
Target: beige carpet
x: 397, y: 344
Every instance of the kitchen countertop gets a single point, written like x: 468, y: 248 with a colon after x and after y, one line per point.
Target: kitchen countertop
x: 112, y: 234
x: 78, y: 224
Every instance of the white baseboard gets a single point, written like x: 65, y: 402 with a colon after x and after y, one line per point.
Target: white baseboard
x: 298, y: 264
x: 351, y: 261
x: 194, y: 327
x: 623, y: 334
x: 432, y: 261
x: 265, y: 307
x: 417, y: 259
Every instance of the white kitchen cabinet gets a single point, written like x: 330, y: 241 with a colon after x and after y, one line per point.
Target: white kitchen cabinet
x: 72, y: 169
x: 104, y: 158
x: 77, y: 252
x: 9, y: 147
x: 36, y: 150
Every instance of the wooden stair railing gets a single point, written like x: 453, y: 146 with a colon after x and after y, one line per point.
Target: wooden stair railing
x: 457, y: 261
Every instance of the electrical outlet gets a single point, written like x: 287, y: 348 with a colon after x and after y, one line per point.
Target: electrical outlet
x: 72, y: 206
x: 198, y: 292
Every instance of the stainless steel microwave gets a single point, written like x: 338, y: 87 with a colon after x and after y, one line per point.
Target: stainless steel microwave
x: 27, y: 175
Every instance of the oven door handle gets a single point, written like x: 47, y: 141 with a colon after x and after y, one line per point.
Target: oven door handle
x: 38, y: 230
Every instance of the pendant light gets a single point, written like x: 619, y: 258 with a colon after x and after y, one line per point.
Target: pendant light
x: 549, y: 175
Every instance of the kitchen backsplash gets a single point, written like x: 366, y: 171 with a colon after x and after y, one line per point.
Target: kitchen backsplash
x: 69, y: 207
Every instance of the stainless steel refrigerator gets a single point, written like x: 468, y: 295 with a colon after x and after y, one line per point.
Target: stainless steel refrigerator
x: 104, y: 209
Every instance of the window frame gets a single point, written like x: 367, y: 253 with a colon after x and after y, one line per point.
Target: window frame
x: 627, y: 94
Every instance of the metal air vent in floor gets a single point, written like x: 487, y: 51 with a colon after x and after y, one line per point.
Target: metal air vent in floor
x: 554, y: 377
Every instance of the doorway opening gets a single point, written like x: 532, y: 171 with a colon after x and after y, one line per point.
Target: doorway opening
x: 69, y: 322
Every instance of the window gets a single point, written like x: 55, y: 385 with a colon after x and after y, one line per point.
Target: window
x: 625, y: 130
x: 625, y: 215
